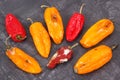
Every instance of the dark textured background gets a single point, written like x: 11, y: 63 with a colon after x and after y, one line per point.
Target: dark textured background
x: 93, y: 11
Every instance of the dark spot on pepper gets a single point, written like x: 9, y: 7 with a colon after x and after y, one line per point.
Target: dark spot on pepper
x: 95, y: 49
x: 54, y: 17
x: 107, y: 25
x: 83, y: 65
x: 27, y: 61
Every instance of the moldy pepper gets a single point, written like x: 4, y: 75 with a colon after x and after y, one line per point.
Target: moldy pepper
x: 62, y: 55
x: 22, y: 60
x: 75, y: 25
x: 40, y: 37
x: 14, y: 28
x: 54, y: 23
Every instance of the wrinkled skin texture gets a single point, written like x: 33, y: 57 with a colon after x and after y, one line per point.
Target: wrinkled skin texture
x: 74, y: 26
x: 40, y: 38
x: 54, y: 24
x: 96, y: 33
x: 93, y: 59
x: 23, y: 61
x: 14, y: 28
x: 62, y: 55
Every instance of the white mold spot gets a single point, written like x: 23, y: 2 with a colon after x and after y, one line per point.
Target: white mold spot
x: 63, y: 60
x: 66, y: 51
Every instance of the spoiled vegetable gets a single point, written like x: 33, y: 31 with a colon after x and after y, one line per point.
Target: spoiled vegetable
x: 62, y: 55
x: 54, y: 23
x: 96, y: 33
x: 40, y: 38
x: 15, y: 28
x: 94, y: 59
x: 22, y: 60
x: 75, y: 25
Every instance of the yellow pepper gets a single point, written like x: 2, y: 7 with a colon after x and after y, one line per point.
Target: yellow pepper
x: 54, y: 24
x: 97, y: 33
x: 40, y: 38
x: 93, y: 59
x: 23, y: 60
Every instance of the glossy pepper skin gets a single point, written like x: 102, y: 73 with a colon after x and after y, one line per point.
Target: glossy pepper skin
x: 23, y: 61
x: 54, y: 24
x: 75, y: 25
x: 93, y: 59
x: 97, y: 33
x: 62, y: 55
x: 14, y: 28
x: 40, y: 38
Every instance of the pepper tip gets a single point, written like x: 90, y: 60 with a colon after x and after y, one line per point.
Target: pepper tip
x: 75, y: 70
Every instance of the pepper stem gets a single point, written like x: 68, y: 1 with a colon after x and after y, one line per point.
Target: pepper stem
x: 81, y: 8
x: 42, y: 6
x: 75, y: 70
x: 74, y: 45
x: 114, y: 46
x: 29, y: 19
x: 6, y: 42
x: 19, y: 37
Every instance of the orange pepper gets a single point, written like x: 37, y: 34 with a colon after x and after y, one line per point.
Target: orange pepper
x: 97, y: 33
x: 93, y: 59
x: 54, y: 24
x: 41, y: 38
x: 23, y: 61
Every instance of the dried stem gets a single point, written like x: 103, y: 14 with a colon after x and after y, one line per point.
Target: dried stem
x: 81, y: 8
x: 42, y: 6
x: 6, y: 42
x: 29, y: 19
x: 76, y: 44
x: 114, y: 46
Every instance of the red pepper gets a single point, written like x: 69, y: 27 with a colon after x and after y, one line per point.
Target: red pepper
x: 62, y: 55
x: 14, y: 28
x: 75, y: 25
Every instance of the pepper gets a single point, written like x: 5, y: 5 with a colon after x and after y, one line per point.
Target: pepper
x: 63, y: 54
x: 14, y: 28
x: 97, y: 33
x: 54, y: 24
x: 93, y: 59
x: 40, y: 37
x: 22, y: 60
x: 75, y: 25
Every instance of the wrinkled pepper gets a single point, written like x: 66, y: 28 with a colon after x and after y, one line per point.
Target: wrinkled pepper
x: 62, y: 55
x: 14, y: 28
x: 97, y: 33
x: 54, y: 23
x: 93, y: 59
x: 40, y: 38
x: 22, y: 60
x: 75, y: 25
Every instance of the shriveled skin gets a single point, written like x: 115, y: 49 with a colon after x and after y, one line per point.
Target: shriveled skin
x: 93, y: 59
x: 54, y: 24
x: 41, y: 39
x: 63, y: 54
x: 15, y: 28
x: 97, y: 33
x: 23, y: 61
x: 74, y: 26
